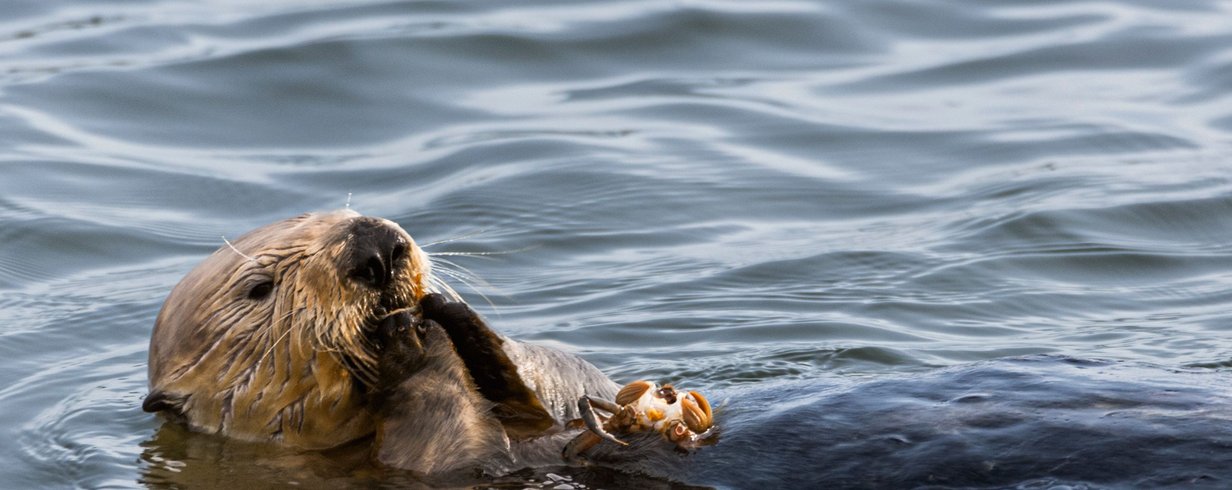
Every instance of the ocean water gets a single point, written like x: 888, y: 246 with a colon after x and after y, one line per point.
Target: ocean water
x: 721, y: 194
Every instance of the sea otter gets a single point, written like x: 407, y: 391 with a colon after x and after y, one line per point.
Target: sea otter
x: 323, y: 329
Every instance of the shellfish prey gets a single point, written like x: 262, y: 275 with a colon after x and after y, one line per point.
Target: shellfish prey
x: 684, y: 419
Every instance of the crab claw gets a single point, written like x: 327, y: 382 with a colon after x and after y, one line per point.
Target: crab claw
x: 632, y: 391
x: 592, y: 420
x: 696, y: 411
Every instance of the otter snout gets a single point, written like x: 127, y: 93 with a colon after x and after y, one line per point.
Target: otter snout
x: 376, y: 251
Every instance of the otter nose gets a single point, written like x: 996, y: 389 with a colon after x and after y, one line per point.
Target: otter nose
x: 375, y: 252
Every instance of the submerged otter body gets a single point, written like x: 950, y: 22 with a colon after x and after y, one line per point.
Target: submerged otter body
x: 284, y: 336
x: 1029, y: 422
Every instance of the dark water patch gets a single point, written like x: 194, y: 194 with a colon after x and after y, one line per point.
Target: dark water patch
x: 992, y: 424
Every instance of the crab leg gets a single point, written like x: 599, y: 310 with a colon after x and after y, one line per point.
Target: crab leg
x: 592, y: 420
x: 601, y: 404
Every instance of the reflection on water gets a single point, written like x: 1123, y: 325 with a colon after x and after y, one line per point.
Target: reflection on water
x: 174, y: 457
x: 728, y: 193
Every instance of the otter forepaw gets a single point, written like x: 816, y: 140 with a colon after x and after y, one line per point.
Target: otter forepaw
x: 399, y: 338
x: 457, y: 317
x: 493, y: 372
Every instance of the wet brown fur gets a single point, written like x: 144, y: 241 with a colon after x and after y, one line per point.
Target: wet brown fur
x: 431, y: 417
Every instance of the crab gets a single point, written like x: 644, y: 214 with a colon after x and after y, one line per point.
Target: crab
x: 684, y: 419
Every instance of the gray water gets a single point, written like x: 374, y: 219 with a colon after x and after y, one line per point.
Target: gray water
x: 718, y: 194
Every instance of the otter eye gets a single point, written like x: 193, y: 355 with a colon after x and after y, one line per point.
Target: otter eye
x: 261, y: 291
x: 398, y: 252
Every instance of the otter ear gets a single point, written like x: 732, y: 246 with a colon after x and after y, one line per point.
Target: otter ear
x: 495, y: 375
x: 161, y: 401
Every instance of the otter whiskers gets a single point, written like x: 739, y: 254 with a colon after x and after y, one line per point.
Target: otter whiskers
x: 460, y: 273
x: 236, y: 250
x: 456, y: 239
x: 413, y: 310
x: 464, y: 276
x: 270, y: 349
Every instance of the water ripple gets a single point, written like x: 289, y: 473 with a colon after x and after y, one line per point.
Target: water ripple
x: 715, y: 193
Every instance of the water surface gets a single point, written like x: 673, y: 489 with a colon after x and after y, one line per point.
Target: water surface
x: 708, y: 192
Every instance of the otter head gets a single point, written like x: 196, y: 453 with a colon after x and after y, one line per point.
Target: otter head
x: 270, y: 337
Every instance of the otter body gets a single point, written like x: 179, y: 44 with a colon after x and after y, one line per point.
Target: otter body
x: 323, y: 329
